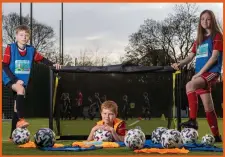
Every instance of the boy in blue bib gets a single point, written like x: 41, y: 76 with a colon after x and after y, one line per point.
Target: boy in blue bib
x: 17, y: 63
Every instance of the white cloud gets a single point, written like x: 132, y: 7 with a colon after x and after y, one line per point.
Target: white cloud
x: 142, y: 6
x: 96, y: 37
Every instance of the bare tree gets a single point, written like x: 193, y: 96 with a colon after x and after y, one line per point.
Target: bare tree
x: 43, y: 36
x: 56, y: 57
x: 84, y: 59
x: 184, y: 25
x: 163, y: 42
x: 89, y: 57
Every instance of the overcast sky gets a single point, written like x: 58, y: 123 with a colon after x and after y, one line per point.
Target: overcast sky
x: 105, y: 27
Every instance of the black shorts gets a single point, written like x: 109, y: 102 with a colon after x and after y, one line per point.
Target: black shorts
x: 9, y: 86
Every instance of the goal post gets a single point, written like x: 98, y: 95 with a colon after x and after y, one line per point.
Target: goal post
x: 114, y: 82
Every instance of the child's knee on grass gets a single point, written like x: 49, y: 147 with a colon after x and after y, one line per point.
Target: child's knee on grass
x: 195, y: 84
x: 19, y: 89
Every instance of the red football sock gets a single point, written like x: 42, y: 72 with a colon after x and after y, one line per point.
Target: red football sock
x: 212, y: 121
x: 193, y: 104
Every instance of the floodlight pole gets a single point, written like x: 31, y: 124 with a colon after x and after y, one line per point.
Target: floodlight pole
x: 21, y: 21
x: 62, y: 31
x: 51, y: 99
x: 180, y: 101
x: 60, y: 40
x: 31, y: 22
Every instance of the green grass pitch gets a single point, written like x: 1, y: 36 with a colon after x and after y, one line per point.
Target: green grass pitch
x: 82, y: 127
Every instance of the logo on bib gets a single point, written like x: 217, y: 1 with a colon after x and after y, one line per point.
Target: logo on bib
x: 22, y: 67
x: 202, y: 51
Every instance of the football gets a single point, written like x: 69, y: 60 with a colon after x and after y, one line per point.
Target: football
x: 20, y: 136
x: 156, y: 134
x: 171, y: 139
x: 135, y: 142
x: 189, y: 135
x: 132, y: 136
x: 208, y: 140
x: 103, y: 135
x: 44, y: 137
